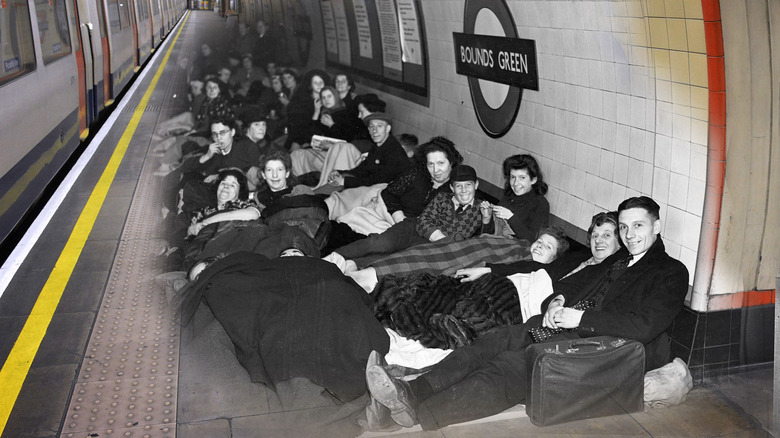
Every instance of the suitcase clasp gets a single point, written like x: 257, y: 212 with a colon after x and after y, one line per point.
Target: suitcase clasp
x: 618, y: 342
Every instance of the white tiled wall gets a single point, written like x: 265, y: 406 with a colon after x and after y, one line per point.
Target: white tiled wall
x: 621, y: 110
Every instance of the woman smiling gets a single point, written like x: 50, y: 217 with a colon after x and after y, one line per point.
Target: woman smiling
x: 524, y: 210
x: 231, y: 203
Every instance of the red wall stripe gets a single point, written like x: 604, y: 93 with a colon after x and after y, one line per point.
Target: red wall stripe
x: 741, y: 299
x: 716, y: 151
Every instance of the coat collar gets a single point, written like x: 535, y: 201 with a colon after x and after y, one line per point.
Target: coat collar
x: 656, y: 251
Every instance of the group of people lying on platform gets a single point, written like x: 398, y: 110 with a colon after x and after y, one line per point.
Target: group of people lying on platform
x: 300, y: 316
x: 442, y: 266
x: 324, y: 246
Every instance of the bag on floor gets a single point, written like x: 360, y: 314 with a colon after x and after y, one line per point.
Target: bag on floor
x: 584, y: 378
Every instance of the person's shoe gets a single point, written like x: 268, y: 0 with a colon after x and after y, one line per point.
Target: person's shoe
x: 378, y: 418
x: 377, y: 414
x: 394, y: 393
x: 375, y: 358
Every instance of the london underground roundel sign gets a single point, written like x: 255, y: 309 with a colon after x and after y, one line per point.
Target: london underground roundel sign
x: 503, y: 59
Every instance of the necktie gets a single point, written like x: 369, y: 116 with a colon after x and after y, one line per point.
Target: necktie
x: 460, y: 209
x: 621, y: 264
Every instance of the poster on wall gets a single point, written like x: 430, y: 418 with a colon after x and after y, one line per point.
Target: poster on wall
x: 342, y: 32
x: 410, y: 32
x: 329, y: 26
x: 267, y: 12
x: 380, y: 41
x: 363, y: 29
x: 391, y: 41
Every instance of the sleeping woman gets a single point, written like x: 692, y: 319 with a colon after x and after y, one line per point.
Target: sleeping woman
x: 449, y: 312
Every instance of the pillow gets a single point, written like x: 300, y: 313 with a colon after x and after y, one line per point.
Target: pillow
x: 668, y: 385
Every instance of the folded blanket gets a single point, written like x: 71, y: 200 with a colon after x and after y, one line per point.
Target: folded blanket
x: 444, y: 258
x: 307, y: 160
x: 340, y: 156
x: 371, y: 219
x: 340, y: 203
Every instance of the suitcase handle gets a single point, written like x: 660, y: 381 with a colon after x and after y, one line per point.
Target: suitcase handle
x: 574, y: 345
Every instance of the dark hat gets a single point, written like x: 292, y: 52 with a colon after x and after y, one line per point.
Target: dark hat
x: 378, y: 116
x: 370, y: 100
x: 252, y: 113
x: 463, y: 172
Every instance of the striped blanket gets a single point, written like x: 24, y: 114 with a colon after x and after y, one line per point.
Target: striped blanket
x: 444, y: 258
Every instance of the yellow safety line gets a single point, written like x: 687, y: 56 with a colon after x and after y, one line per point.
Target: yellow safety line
x: 18, y: 363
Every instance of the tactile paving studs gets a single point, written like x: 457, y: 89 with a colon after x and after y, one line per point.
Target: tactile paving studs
x: 128, y: 379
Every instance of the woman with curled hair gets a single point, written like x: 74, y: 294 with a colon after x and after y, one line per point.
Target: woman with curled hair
x: 231, y: 204
x: 407, y: 196
x: 524, y: 210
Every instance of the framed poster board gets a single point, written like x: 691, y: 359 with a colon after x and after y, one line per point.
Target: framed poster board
x: 382, y: 41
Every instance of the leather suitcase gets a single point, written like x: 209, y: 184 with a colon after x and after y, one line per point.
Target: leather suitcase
x: 584, y: 378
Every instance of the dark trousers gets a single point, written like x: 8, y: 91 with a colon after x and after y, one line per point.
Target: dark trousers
x: 340, y: 235
x: 400, y: 236
x: 478, y: 380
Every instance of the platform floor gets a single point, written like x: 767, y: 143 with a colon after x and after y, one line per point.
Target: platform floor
x: 115, y: 362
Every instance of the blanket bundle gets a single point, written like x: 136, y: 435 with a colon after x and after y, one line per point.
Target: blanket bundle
x: 442, y: 312
x: 444, y: 258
